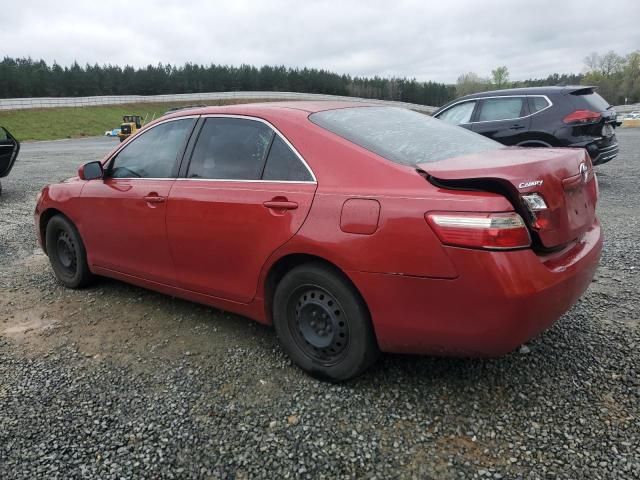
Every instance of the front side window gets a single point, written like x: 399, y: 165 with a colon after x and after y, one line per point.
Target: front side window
x: 230, y: 149
x: 458, y: 114
x: 507, y: 108
x: 154, y: 153
x: 402, y: 136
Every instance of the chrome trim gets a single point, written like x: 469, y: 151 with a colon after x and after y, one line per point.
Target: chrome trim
x: 306, y: 182
x: 224, y: 115
x: 550, y: 104
x: 142, y: 178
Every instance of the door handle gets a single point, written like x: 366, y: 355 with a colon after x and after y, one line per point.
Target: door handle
x: 154, y: 199
x: 280, y: 205
x: 516, y: 127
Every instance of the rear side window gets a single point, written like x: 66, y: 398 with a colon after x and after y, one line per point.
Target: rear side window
x: 230, y: 149
x: 493, y: 109
x: 284, y: 164
x: 458, y: 114
x: 537, y: 103
x: 587, y: 99
x: 400, y: 135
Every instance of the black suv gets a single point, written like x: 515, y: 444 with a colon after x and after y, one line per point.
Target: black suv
x: 540, y: 117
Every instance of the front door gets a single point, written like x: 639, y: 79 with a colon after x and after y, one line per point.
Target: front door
x: 245, y: 193
x: 125, y: 230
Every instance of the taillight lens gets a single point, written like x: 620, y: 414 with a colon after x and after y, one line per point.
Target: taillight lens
x: 538, y: 209
x: 582, y: 116
x: 494, y: 231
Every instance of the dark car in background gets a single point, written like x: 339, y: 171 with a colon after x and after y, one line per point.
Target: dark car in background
x: 9, y: 148
x: 562, y: 116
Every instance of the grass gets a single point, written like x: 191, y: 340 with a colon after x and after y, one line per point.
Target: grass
x: 71, y: 122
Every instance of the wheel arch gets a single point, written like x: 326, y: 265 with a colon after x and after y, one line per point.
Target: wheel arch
x: 538, y: 139
x: 285, y: 264
x: 45, y: 217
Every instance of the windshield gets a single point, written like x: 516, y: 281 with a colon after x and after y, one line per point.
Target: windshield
x: 402, y: 136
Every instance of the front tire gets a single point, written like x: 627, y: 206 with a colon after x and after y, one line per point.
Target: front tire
x: 67, y: 254
x: 323, y: 324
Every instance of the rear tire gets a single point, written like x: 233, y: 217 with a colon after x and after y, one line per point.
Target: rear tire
x: 323, y: 324
x: 67, y: 254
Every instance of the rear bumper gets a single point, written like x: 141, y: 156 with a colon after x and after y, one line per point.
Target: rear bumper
x: 499, y: 301
x: 605, y: 154
x: 601, y: 150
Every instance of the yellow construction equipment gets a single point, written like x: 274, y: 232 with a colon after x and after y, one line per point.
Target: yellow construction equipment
x: 130, y: 125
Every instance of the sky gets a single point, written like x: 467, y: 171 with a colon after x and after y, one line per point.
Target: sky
x: 427, y: 40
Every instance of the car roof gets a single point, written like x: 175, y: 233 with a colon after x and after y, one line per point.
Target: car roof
x: 561, y: 89
x: 258, y: 108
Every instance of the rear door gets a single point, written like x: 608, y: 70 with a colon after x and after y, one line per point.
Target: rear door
x: 503, y: 119
x: 244, y: 193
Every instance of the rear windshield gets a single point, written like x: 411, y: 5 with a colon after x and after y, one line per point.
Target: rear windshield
x: 589, y: 100
x: 402, y: 136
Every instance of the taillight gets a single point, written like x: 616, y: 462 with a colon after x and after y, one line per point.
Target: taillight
x: 582, y: 117
x: 538, y: 210
x: 494, y: 231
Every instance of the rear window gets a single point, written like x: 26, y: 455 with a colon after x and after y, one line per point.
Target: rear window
x: 402, y: 136
x: 589, y: 100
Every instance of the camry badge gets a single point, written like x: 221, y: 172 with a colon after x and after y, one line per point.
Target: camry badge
x: 530, y: 183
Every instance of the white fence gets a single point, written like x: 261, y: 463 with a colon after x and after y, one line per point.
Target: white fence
x: 53, y: 102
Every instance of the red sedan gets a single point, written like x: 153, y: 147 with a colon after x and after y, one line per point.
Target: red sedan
x: 351, y: 228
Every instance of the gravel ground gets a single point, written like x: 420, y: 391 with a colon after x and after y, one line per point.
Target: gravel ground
x: 119, y: 382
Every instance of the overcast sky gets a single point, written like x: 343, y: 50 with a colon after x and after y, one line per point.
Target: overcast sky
x: 427, y: 40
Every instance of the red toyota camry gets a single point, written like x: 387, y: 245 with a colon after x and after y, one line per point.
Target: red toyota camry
x: 351, y: 228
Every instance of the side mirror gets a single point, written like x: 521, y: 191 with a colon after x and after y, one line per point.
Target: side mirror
x: 91, y: 171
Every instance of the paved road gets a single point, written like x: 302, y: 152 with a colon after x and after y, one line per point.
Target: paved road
x: 119, y: 382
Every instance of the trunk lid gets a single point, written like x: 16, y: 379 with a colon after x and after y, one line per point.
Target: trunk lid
x: 563, y: 177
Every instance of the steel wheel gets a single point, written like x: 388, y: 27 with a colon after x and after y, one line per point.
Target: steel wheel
x: 318, y: 324
x: 322, y: 322
x: 66, y: 253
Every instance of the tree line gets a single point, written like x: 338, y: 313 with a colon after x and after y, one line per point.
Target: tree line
x: 616, y: 76
x: 24, y: 77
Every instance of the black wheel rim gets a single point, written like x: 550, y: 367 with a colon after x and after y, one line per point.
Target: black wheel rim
x: 318, y: 324
x: 66, y: 253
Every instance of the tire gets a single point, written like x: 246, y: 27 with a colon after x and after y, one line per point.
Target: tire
x: 323, y: 324
x: 67, y: 254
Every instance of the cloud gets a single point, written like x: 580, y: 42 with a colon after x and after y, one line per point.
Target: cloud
x: 426, y: 40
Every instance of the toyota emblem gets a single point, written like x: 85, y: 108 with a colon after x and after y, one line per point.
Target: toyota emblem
x: 584, y: 172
